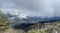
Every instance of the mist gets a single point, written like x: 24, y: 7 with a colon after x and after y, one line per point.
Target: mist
x: 44, y: 8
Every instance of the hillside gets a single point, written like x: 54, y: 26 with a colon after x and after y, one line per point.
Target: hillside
x: 53, y: 27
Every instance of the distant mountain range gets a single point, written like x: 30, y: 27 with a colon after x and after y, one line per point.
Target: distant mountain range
x: 29, y: 19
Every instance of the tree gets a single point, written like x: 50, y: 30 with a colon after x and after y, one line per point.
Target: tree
x: 4, y: 22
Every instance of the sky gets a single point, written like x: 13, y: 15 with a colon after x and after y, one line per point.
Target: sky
x: 44, y: 8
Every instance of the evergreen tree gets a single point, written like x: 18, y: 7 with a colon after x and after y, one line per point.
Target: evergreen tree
x: 4, y: 22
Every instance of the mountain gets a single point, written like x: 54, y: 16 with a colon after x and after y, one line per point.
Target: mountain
x: 29, y: 19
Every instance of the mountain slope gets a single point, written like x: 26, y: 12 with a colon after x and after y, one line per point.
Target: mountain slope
x: 30, y: 19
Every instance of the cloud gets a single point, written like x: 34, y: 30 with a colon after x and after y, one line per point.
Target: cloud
x: 44, y: 8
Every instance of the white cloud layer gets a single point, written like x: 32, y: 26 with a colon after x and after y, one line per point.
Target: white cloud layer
x: 44, y: 8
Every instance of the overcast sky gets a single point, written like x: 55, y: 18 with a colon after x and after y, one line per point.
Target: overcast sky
x: 44, y: 8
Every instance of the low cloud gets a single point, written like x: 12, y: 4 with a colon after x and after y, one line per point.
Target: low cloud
x: 44, y: 8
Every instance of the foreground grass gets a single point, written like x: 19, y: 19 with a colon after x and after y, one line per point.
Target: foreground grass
x: 50, y: 30
x: 47, y: 28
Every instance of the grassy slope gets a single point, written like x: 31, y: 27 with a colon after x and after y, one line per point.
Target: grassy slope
x: 38, y: 28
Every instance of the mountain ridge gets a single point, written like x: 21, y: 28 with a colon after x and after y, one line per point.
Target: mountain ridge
x: 29, y: 19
